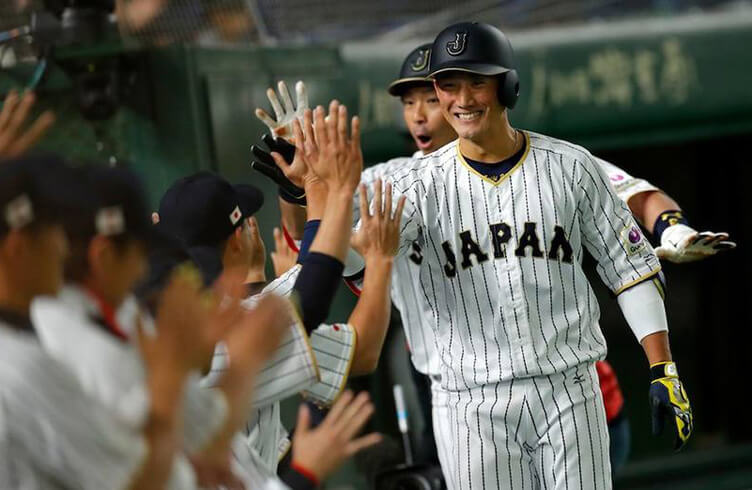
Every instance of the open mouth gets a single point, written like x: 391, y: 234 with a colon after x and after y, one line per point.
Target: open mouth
x: 423, y: 141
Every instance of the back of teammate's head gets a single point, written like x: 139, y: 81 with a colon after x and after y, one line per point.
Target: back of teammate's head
x: 477, y: 48
x: 38, y: 190
x: 119, y: 213
x: 36, y: 194
x: 414, y: 71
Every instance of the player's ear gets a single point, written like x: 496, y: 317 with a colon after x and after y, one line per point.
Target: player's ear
x: 98, y: 254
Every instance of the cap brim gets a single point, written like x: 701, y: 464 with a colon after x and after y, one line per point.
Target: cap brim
x: 399, y: 86
x: 469, y: 67
x: 251, y: 199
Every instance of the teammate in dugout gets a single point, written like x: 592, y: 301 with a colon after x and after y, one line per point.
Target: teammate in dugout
x: 54, y: 434
x: 330, y: 192
x: 430, y: 131
x: 88, y: 328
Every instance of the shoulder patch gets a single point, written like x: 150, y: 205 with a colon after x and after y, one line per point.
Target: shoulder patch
x: 633, y: 239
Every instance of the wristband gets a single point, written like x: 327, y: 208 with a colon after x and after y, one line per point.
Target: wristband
x: 666, y: 219
x: 308, y: 474
x: 666, y: 369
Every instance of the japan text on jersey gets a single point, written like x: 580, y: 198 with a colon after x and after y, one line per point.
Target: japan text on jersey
x: 501, y: 260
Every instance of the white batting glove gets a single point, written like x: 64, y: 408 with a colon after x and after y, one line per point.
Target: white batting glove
x: 286, y: 112
x: 680, y: 243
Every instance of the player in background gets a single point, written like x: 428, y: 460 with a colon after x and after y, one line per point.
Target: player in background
x: 53, y: 433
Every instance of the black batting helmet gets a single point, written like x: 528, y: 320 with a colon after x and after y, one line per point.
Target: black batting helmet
x: 414, y: 70
x: 477, y: 48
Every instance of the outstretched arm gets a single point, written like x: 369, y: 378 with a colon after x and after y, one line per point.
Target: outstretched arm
x: 679, y: 242
x: 664, y: 219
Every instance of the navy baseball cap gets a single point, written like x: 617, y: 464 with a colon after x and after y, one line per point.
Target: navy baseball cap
x: 121, y: 207
x: 414, y: 71
x: 204, y: 209
x: 40, y: 189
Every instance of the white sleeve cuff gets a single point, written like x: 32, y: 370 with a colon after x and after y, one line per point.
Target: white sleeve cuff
x: 642, y: 307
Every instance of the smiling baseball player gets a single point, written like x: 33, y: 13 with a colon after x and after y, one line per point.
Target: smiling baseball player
x: 503, y: 216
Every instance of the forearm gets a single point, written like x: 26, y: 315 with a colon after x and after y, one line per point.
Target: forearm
x: 293, y: 218
x: 162, y: 428
x: 648, y: 206
x: 656, y: 347
x: 316, y: 286
x: 333, y: 237
x: 370, y: 318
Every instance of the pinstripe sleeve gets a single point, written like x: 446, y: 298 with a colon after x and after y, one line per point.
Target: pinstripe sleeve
x: 334, y: 347
x: 624, y: 256
x: 625, y: 185
x: 291, y: 369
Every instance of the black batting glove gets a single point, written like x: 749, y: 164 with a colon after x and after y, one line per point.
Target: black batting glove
x: 264, y: 163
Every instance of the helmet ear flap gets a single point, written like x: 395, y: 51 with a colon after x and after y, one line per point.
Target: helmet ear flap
x: 509, y: 89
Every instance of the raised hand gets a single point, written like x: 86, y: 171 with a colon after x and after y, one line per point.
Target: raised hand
x: 286, y: 112
x: 257, y: 333
x: 14, y: 139
x: 257, y: 254
x: 264, y: 164
x: 322, y: 450
x: 378, y: 235
x: 333, y: 156
x: 184, y: 338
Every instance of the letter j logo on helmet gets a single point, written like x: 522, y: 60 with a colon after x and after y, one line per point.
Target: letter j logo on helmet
x: 456, y: 47
x: 421, y: 61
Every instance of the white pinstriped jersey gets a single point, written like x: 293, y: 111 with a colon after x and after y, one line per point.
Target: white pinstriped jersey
x: 52, y: 434
x: 408, y: 296
x: 112, y: 371
x: 625, y: 185
x: 501, y: 260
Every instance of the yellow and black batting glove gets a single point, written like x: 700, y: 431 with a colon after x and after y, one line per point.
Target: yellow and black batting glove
x: 669, y: 400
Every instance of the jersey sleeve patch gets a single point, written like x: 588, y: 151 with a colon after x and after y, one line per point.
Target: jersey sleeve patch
x: 633, y: 239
